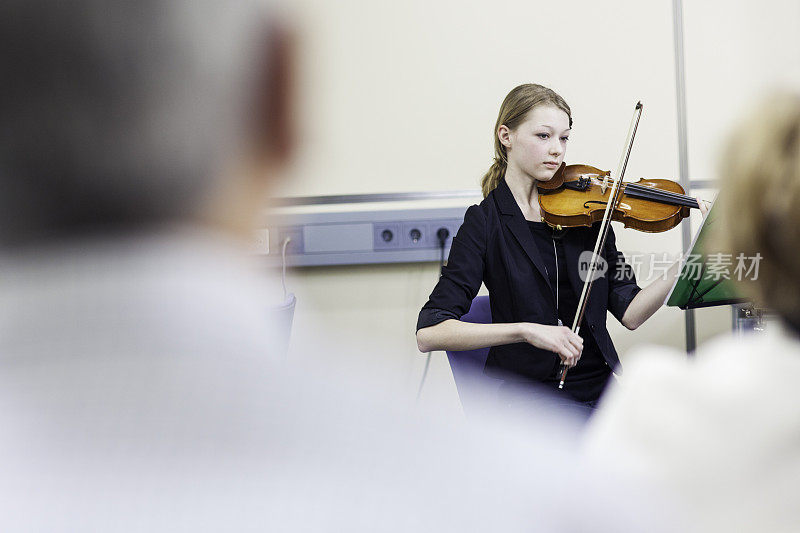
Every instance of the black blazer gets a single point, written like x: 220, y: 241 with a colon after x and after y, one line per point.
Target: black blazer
x: 494, y: 245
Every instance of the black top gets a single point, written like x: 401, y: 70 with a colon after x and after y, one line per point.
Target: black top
x: 586, y: 380
x: 495, y: 246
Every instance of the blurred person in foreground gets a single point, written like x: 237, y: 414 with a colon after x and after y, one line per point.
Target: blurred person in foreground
x: 138, y: 384
x: 719, y: 431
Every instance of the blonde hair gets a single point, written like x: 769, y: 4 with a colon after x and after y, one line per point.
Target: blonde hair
x: 513, y: 110
x: 760, y: 202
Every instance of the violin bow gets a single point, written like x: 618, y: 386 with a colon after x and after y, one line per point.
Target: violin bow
x: 613, y: 199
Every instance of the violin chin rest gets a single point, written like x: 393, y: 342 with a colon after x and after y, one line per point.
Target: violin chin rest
x: 556, y: 181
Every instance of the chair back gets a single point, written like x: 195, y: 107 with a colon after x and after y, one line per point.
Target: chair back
x: 472, y: 384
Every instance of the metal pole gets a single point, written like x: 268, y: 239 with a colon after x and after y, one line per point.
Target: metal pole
x: 683, y: 157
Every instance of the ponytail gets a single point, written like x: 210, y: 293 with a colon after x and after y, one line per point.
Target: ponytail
x: 492, y: 178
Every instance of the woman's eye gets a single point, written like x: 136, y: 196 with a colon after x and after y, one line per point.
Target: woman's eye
x: 565, y: 139
x: 543, y: 135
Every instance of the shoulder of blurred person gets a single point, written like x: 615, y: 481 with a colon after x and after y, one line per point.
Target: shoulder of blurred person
x: 714, y: 432
x: 139, y: 392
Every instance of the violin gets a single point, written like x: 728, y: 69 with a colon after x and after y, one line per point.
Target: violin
x: 577, y: 195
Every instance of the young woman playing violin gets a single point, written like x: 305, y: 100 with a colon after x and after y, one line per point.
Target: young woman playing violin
x: 532, y: 270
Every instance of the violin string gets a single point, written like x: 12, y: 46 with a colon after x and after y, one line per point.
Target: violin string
x: 669, y: 201
x: 635, y: 186
x: 662, y: 199
x: 660, y: 194
x: 657, y: 194
x: 654, y: 190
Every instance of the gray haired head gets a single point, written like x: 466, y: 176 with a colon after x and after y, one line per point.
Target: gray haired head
x: 116, y: 115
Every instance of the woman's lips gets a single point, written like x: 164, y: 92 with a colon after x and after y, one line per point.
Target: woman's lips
x: 551, y: 164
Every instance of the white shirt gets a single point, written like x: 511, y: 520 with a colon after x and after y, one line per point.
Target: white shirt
x: 719, y: 433
x: 140, y: 391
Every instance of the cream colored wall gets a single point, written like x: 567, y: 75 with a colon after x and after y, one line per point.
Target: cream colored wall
x: 402, y: 96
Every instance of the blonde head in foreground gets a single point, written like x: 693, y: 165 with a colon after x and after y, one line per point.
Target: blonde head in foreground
x: 760, y: 207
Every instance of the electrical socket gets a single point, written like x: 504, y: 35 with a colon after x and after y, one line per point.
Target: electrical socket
x: 379, y: 242
x: 415, y: 235
x: 295, y: 245
x: 451, y: 225
x: 259, y: 243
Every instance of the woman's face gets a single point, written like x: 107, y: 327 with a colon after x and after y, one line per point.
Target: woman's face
x: 537, y: 146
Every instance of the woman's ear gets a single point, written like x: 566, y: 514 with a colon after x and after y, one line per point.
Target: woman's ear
x: 504, y: 135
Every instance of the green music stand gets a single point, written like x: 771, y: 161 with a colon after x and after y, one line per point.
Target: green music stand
x: 702, y: 281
